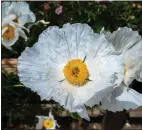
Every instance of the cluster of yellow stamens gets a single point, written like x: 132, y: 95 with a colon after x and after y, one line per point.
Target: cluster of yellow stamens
x: 9, y: 34
x: 76, y: 72
x: 48, y: 124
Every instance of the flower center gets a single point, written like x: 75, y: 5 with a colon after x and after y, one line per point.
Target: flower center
x: 48, y: 124
x: 76, y: 72
x: 9, y: 33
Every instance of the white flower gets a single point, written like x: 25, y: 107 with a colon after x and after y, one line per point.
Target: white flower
x: 47, y: 122
x: 20, y: 10
x: 10, y: 34
x: 73, y: 66
x: 130, y: 44
x: 14, y: 16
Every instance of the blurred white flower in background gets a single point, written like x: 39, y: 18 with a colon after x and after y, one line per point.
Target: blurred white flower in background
x: 129, y: 43
x: 10, y: 34
x: 20, y: 12
x: 73, y: 66
x: 46, y: 122
x: 14, y: 16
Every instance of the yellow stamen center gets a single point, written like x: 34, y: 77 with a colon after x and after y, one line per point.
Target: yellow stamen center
x: 9, y: 33
x: 76, y: 72
x: 48, y: 124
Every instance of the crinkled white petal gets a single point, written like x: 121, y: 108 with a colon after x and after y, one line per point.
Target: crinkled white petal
x: 123, y: 38
x: 21, y: 7
x: 102, y: 30
x: 40, y: 75
x: 51, y: 115
x: 7, y: 19
x: 22, y: 11
x: 72, y: 40
x: 122, y: 98
x: 26, y: 18
x: 41, y: 67
x: 83, y: 114
x: 39, y: 124
x: 133, y: 63
x: 22, y: 34
x: 4, y: 6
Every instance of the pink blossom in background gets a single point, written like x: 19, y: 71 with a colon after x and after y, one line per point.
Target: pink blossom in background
x: 59, y: 10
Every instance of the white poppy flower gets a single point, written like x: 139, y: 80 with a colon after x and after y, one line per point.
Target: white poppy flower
x: 10, y: 34
x: 47, y: 122
x: 73, y: 66
x: 20, y: 10
x: 130, y: 44
x: 14, y: 16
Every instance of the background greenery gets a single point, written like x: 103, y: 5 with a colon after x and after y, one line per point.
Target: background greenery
x: 110, y: 15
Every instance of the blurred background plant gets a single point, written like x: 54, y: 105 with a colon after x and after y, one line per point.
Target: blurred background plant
x: 110, y: 15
